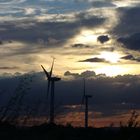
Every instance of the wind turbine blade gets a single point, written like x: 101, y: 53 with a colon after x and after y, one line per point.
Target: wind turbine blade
x: 47, y: 74
x: 84, y: 91
x: 52, y: 67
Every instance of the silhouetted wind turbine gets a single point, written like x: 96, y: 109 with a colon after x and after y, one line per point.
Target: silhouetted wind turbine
x: 85, y: 98
x: 51, y: 82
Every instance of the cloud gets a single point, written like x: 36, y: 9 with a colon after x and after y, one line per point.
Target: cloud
x: 95, y: 59
x: 127, y: 25
x: 102, y: 4
x: 85, y: 74
x: 131, y: 42
x: 6, y: 68
x: 80, y: 46
x: 110, y: 95
x: 67, y: 73
x: 1, y: 42
x: 52, y: 32
x: 105, y: 90
x: 103, y: 38
x: 130, y: 57
x: 38, y: 8
x: 29, y: 11
x: 108, y: 49
x: 34, y: 24
x: 7, y: 2
x: 89, y: 21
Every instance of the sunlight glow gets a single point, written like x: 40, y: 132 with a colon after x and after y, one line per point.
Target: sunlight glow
x: 86, y: 37
x: 111, y: 70
x: 112, y: 57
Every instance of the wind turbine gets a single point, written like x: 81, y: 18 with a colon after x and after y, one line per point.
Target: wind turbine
x: 51, y: 83
x: 85, y: 98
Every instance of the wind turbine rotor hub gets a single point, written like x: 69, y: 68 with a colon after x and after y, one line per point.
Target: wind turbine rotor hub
x: 55, y: 79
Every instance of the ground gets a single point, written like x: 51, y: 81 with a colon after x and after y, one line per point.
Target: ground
x: 59, y: 132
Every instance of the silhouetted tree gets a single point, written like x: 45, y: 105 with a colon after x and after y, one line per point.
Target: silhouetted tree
x: 132, y: 121
x: 14, y: 106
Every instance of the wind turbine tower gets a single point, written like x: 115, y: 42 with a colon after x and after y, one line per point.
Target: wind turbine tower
x: 85, y: 99
x: 51, y: 83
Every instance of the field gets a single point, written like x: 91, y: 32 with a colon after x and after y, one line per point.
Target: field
x: 59, y: 132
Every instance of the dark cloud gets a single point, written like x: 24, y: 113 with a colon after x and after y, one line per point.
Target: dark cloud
x: 128, y: 30
x: 106, y: 91
x: 103, y: 38
x: 51, y: 32
x: 1, y: 42
x: 10, y: 41
x: 109, y: 49
x: 86, y: 74
x: 130, y: 57
x: 10, y: 68
x: 129, y: 21
x: 84, y: 20
x: 97, y: 4
x: 80, y: 46
x: 95, y: 59
x: 131, y: 42
x: 67, y: 73
x: 100, y: 4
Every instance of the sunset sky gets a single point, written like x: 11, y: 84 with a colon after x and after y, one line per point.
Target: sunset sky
x: 96, y: 39
x: 101, y: 36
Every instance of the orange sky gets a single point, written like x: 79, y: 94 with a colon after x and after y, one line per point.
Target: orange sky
x: 77, y: 119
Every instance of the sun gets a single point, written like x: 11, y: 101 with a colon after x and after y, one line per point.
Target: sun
x: 113, y: 65
x: 112, y: 57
